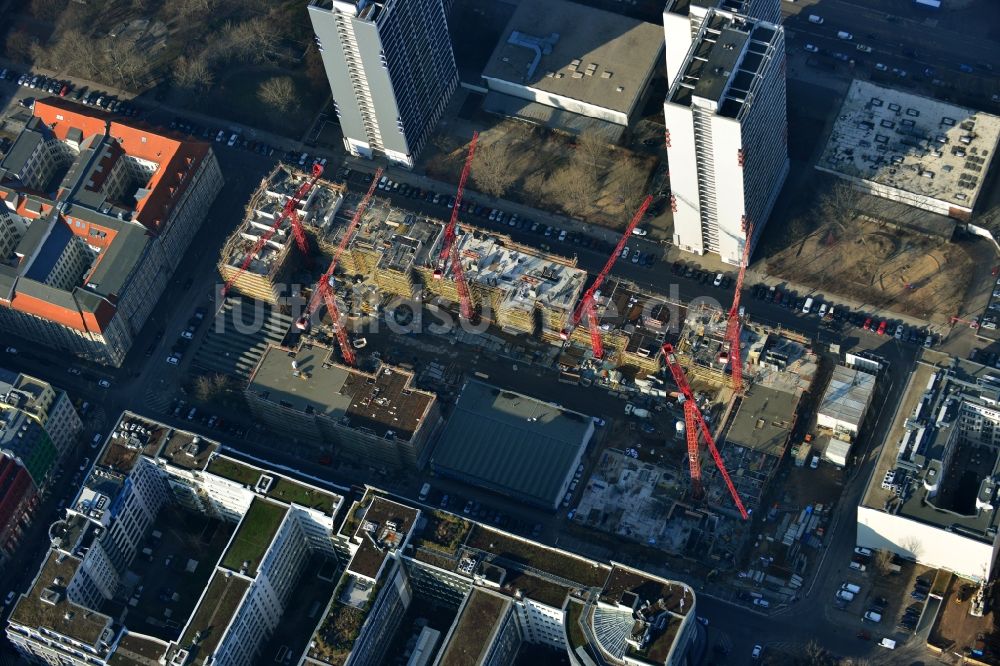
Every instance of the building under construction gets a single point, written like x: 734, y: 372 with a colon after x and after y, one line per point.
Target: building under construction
x: 267, y: 276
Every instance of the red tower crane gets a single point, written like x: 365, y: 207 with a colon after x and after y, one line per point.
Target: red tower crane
x: 449, y: 248
x: 288, y: 211
x: 733, y: 325
x: 586, y: 306
x: 694, y: 424
x: 324, y: 291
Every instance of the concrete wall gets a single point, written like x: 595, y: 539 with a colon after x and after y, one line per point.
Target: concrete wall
x: 928, y: 545
x: 557, y: 101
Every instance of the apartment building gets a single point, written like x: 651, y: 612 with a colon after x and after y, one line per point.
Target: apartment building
x: 391, y: 71
x: 18, y: 499
x: 98, y: 214
x: 38, y: 424
x: 726, y: 125
x: 152, y: 489
x: 378, y: 418
x: 933, y: 494
x: 500, y: 591
x: 682, y: 21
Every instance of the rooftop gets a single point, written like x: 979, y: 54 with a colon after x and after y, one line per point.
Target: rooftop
x: 138, y: 650
x: 848, y: 395
x: 910, y: 143
x: 726, y: 64
x: 385, y: 403
x: 511, y: 443
x: 763, y: 421
x: 677, y: 597
x: 383, y: 530
x: 254, y: 536
x: 934, y: 467
x: 470, y: 635
x: 218, y: 605
x: 281, y: 487
x: 46, y: 605
x: 575, y: 51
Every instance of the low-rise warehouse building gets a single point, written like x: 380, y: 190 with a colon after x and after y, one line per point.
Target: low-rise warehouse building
x: 512, y: 444
x: 378, y: 418
x: 845, y: 402
x: 921, y: 151
x: 933, y: 495
x: 566, y: 58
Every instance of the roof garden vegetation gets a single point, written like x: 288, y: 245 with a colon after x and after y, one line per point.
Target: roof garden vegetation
x: 475, y: 626
x: 574, y: 612
x: 254, y: 536
x: 335, y: 638
x: 444, y: 532
x: 528, y: 554
x: 233, y: 470
x: 289, y: 491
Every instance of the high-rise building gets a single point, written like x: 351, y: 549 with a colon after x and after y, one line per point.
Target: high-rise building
x: 682, y: 20
x: 726, y: 126
x: 391, y: 71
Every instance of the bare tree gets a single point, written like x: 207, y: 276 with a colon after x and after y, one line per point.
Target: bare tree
x: 882, y: 562
x: 913, y: 545
x: 72, y: 51
x: 128, y: 65
x: 203, y: 389
x: 592, y: 148
x: 574, y: 186
x: 491, y: 169
x: 47, y: 10
x: 630, y: 184
x: 277, y: 92
x: 19, y: 46
x: 193, y: 73
x: 221, y: 383
x: 840, y: 203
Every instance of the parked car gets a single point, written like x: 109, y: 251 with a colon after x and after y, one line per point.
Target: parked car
x: 882, y: 327
x: 104, y: 383
x: 755, y: 653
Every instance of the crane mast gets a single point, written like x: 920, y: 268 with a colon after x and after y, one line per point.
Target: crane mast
x: 587, y: 305
x: 449, y: 248
x: 733, y: 325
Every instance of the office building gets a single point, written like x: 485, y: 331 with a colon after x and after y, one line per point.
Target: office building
x: 932, y: 496
x: 391, y: 71
x: 495, y: 593
x: 572, y: 67
x: 206, y: 552
x: 98, y: 213
x: 512, y: 444
x: 378, y: 418
x: 919, y: 151
x: 726, y: 137
x: 682, y: 20
x: 38, y: 424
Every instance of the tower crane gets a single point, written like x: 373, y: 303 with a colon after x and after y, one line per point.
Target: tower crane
x: 288, y: 212
x: 324, y: 291
x: 587, y: 306
x: 733, y: 325
x: 695, y: 424
x: 449, y: 248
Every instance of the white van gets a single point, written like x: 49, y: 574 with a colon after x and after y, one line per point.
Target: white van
x: 818, y: 20
x: 872, y: 616
x: 425, y: 490
x: 807, y: 307
x: 844, y: 595
x: 842, y: 34
x: 851, y: 587
x: 888, y: 643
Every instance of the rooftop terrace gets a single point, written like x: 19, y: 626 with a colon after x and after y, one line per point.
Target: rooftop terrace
x: 383, y: 530
x: 474, y: 627
x: 254, y: 536
x: 282, y: 488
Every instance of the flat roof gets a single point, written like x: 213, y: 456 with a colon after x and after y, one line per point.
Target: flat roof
x: 216, y: 609
x: 848, y: 395
x: 137, y: 650
x: 382, y: 530
x: 475, y: 625
x: 384, y: 402
x: 763, y: 420
x: 575, y: 51
x: 677, y: 597
x: 915, y: 144
x: 253, y: 538
x: 282, y: 488
x: 726, y: 63
x: 47, y: 606
x: 511, y: 443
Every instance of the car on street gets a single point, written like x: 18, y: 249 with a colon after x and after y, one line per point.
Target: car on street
x: 639, y: 231
x: 104, y: 383
x: 173, y: 359
x: 11, y: 350
x: 85, y: 464
x: 9, y: 598
x: 763, y: 603
x: 882, y: 327
x: 73, y: 371
x: 718, y: 280
x: 811, y: 48
x: 881, y: 67
x: 755, y: 653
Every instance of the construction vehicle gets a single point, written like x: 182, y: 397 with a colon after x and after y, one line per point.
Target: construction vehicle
x: 449, y: 248
x: 587, y: 306
x: 694, y: 424
x: 288, y: 212
x: 324, y: 289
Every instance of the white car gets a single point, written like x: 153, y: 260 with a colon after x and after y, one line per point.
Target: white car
x: 718, y: 280
x: 232, y: 140
x: 173, y: 360
x: 639, y: 231
x: 85, y: 464
x: 9, y: 598
x: 104, y: 383
x: 221, y: 136
x: 11, y: 350
x: 899, y: 332
x: 756, y: 652
x: 187, y: 335
x: 864, y: 49
x: 862, y: 551
x: 880, y: 67
x: 811, y: 48
x: 763, y: 603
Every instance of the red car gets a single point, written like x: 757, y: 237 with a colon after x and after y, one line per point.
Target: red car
x: 63, y: 90
x: 881, y: 328
x: 868, y: 324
